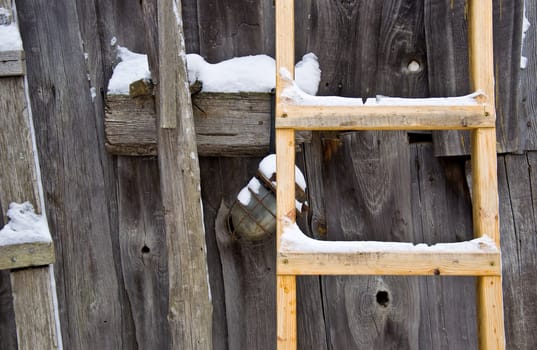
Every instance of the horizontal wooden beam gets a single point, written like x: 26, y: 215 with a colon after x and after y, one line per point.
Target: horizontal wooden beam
x: 26, y: 255
x: 227, y: 124
x: 384, y: 117
x: 12, y: 63
x: 390, y: 263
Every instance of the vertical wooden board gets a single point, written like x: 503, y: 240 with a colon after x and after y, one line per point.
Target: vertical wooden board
x: 517, y: 178
x: 18, y: 181
x: 367, y: 193
x: 528, y: 81
x: 75, y: 175
x: 32, y: 299
x: 8, y: 331
x: 242, y: 282
x: 441, y: 212
x: 190, y: 25
x: 443, y: 20
x: 143, y: 250
x: 231, y: 28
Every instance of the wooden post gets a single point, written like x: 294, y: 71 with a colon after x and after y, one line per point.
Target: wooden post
x: 190, y: 308
x: 285, y: 170
x: 484, y: 176
x: 32, y: 293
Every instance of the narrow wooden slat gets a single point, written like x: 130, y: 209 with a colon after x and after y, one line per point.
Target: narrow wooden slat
x: 384, y: 117
x: 26, y: 254
x: 12, y: 63
x: 484, y: 176
x: 286, y: 329
x: 448, y: 263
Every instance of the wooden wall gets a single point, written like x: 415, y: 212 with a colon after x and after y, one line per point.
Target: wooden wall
x: 107, y: 221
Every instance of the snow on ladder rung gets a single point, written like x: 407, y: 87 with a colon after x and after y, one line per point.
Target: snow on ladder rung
x: 301, y: 111
x: 301, y: 255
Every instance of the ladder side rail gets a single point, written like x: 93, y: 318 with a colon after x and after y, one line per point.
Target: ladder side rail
x: 484, y: 173
x: 285, y: 170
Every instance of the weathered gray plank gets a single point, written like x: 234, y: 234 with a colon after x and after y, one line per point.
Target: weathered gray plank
x: 518, y: 220
x: 143, y: 250
x: 375, y: 42
x: 76, y: 177
x: 528, y: 81
x: 441, y: 211
x: 226, y: 124
x: 243, y: 28
x: 446, y: 23
x: 189, y: 305
x: 12, y: 63
x: 8, y: 332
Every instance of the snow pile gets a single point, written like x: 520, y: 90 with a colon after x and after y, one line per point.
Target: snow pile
x: 24, y: 226
x: 525, y: 27
x: 239, y: 74
x: 133, y: 67
x: 294, y: 240
x: 10, y: 38
x: 267, y: 167
x: 250, y: 73
x: 296, y: 95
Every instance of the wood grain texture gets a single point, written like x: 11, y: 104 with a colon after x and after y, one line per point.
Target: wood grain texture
x: 518, y: 224
x: 12, y: 63
x: 143, y: 250
x: 35, y: 325
x: 441, y: 212
x: 8, y: 331
x: 189, y: 305
x: 227, y: 125
x: 77, y: 177
x: 36, y: 328
x: 243, y: 28
x: 25, y: 255
x: 382, y: 117
x: 446, y: 22
x: 528, y: 80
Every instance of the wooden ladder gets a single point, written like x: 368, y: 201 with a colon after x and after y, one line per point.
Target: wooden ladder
x: 300, y: 255
x: 28, y: 261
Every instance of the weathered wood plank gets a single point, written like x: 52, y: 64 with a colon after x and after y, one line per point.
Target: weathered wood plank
x: 226, y: 124
x: 517, y: 178
x: 189, y: 308
x: 446, y: 22
x: 143, y: 250
x: 528, y: 81
x: 8, y: 331
x: 383, y: 117
x: 35, y: 325
x: 243, y: 28
x: 12, y: 63
x: 375, y: 42
x: 441, y: 211
x: 77, y: 177
x: 25, y: 255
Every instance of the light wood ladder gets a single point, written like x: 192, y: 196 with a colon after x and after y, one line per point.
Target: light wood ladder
x: 298, y: 256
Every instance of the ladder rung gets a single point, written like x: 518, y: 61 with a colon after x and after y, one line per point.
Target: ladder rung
x: 301, y: 255
x: 393, y: 117
x: 19, y: 255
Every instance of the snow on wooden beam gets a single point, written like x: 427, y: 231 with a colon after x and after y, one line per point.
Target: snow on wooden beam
x: 227, y: 124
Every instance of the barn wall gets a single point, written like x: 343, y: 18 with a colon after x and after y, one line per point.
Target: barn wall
x: 107, y: 221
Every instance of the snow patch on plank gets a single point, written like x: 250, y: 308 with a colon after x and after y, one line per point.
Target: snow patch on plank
x: 24, y: 226
x: 525, y: 27
x: 295, y: 95
x: 10, y: 38
x: 268, y: 168
x: 133, y: 67
x: 294, y: 240
x: 240, y: 74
